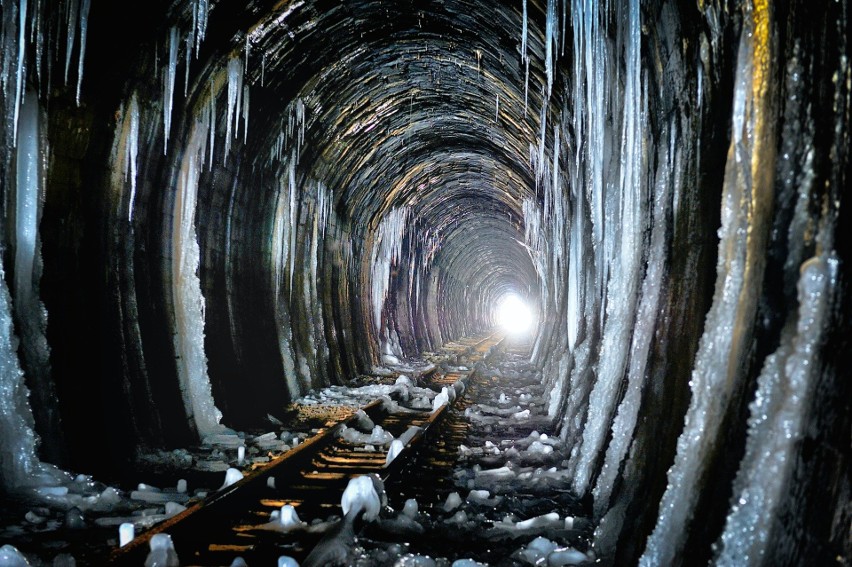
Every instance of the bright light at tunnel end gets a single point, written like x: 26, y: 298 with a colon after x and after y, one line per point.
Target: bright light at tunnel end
x: 514, y: 316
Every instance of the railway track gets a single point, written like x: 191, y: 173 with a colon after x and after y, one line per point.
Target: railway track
x: 236, y: 521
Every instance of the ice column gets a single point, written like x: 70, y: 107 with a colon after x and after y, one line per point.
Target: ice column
x: 186, y: 287
x: 723, y: 349
x: 778, y: 419
x: 386, y: 251
x: 627, y: 209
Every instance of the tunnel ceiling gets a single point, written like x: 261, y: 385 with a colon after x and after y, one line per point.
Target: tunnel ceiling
x: 415, y: 104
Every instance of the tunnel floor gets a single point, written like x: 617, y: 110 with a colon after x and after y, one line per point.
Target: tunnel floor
x: 489, y: 488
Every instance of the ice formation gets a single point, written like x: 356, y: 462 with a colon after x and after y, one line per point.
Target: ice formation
x: 232, y: 476
x: 186, y: 288
x: 162, y: 552
x: 387, y: 248
x: 361, y: 497
x: 747, y: 197
x: 126, y: 533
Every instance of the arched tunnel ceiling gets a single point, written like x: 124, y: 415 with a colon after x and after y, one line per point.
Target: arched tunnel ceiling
x: 399, y: 100
x: 418, y: 105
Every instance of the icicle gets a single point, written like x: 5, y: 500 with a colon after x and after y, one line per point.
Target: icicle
x: 200, y: 19
x: 245, y: 112
x: 263, y: 69
x: 293, y: 210
x: 549, y: 40
x: 169, y: 86
x: 21, y: 69
x: 72, y: 9
x: 235, y: 90
x: 627, y: 209
x: 212, y: 123
x: 190, y: 40
x: 26, y: 197
x: 281, y: 251
x: 497, y: 109
x: 84, y: 26
x: 131, y: 151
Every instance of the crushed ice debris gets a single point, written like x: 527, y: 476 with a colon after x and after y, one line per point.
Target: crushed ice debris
x: 542, y: 551
x: 413, y: 560
x: 378, y: 436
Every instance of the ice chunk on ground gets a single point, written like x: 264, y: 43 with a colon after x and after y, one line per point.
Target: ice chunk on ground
x: 453, y: 501
x: 231, y: 476
x: 64, y: 560
x: 440, y: 399
x: 411, y: 560
x: 11, y: 557
x: 126, y: 533
x: 536, y: 550
x: 410, y: 508
x: 173, y: 508
x: 396, y: 448
x: 288, y: 517
x: 287, y: 561
x: 362, y: 421
x: 361, y: 495
x: 468, y: 563
x: 567, y: 556
x: 162, y: 553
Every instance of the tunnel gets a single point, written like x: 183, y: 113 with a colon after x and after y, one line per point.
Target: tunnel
x: 212, y: 208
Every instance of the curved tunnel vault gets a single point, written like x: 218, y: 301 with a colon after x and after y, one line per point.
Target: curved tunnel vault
x: 224, y: 205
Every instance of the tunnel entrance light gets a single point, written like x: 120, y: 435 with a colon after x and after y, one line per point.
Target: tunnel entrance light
x: 514, y: 315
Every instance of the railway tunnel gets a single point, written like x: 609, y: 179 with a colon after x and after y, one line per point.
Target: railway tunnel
x: 212, y: 208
